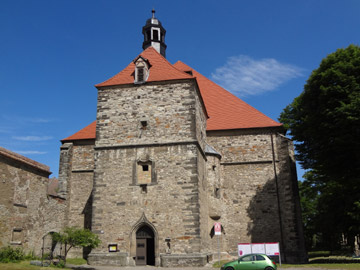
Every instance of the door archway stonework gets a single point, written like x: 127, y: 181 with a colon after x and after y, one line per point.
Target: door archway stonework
x: 144, y: 222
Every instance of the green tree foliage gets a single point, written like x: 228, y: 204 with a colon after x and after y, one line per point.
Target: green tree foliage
x: 309, y: 196
x: 76, y: 237
x: 325, y: 123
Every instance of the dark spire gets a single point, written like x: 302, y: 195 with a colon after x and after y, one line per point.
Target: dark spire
x: 154, y: 35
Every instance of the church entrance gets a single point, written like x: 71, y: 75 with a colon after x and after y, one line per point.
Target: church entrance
x: 145, y: 246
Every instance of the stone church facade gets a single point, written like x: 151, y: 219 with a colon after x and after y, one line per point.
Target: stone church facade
x: 170, y: 154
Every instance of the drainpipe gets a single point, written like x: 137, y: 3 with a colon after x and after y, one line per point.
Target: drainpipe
x: 277, y: 194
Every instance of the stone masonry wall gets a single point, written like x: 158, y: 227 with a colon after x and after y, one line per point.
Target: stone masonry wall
x: 200, y: 123
x: 27, y: 214
x: 249, y: 205
x: 203, y: 203
x: 167, y: 109
x: 161, y: 126
x: 215, y: 203
x: 294, y: 244
x: 255, y: 196
x: 80, y: 183
x: 171, y: 204
x: 242, y: 146
x: 76, y: 172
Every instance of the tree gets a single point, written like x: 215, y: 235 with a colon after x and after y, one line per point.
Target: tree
x: 309, y: 197
x: 76, y: 237
x: 324, y: 121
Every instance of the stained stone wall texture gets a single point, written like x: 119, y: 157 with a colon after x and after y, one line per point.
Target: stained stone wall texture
x: 76, y: 173
x: 173, y: 141
x: 250, y: 186
x: 260, y: 201
x: 27, y: 212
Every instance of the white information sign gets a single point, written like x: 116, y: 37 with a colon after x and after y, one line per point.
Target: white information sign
x: 258, y: 248
x: 244, y: 249
x: 271, y: 249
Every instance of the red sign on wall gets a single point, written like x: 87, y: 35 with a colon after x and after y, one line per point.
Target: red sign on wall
x: 217, y: 228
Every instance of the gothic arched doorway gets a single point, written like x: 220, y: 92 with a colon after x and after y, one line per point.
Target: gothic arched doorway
x: 145, y: 246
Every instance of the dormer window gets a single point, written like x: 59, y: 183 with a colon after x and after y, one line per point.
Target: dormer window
x: 141, y: 70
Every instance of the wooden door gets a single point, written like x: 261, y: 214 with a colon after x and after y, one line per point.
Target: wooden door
x: 141, y: 251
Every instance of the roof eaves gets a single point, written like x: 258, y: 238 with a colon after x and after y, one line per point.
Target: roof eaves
x: 280, y: 126
x: 32, y: 163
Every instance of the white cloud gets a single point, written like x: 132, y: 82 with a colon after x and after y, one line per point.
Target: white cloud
x: 245, y: 76
x: 30, y: 152
x: 24, y: 120
x: 32, y: 138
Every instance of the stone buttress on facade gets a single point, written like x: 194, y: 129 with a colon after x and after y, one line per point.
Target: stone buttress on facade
x: 170, y: 154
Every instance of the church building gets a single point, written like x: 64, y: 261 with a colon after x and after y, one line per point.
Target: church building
x: 170, y: 154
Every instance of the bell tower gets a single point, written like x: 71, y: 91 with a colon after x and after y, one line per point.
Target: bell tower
x: 154, y: 35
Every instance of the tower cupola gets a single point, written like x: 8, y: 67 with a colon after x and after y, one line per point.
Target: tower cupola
x: 154, y: 35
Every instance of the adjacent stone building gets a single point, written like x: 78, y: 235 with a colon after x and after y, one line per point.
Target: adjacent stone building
x: 29, y: 207
x: 170, y: 154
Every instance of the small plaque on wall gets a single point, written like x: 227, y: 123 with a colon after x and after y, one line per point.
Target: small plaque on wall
x: 113, y: 248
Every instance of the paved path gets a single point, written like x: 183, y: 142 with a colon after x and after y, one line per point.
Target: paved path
x: 93, y: 267
x: 209, y: 267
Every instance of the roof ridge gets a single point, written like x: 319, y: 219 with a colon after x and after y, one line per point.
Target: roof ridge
x: 163, y: 71
x: 225, y: 110
x: 26, y: 160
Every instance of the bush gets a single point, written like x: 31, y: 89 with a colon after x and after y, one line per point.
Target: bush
x: 9, y: 254
x: 60, y: 264
x: 31, y: 256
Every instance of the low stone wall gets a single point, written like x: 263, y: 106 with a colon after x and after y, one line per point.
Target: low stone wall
x: 183, y: 260
x: 114, y: 259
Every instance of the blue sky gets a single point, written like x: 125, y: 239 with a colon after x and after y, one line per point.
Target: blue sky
x: 52, y: 53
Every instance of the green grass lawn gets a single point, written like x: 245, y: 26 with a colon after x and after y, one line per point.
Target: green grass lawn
x: 76, y: 261
x: 25, y: 265
x: 322, y: 266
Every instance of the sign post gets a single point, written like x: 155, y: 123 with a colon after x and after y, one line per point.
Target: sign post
x: 217, y: 230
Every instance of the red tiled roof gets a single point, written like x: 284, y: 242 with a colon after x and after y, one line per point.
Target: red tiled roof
x: 161, y: 70
x: 225, y: 110
x: 87, y: 133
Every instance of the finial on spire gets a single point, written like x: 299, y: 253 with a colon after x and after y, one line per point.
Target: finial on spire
x: 153, y: 13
